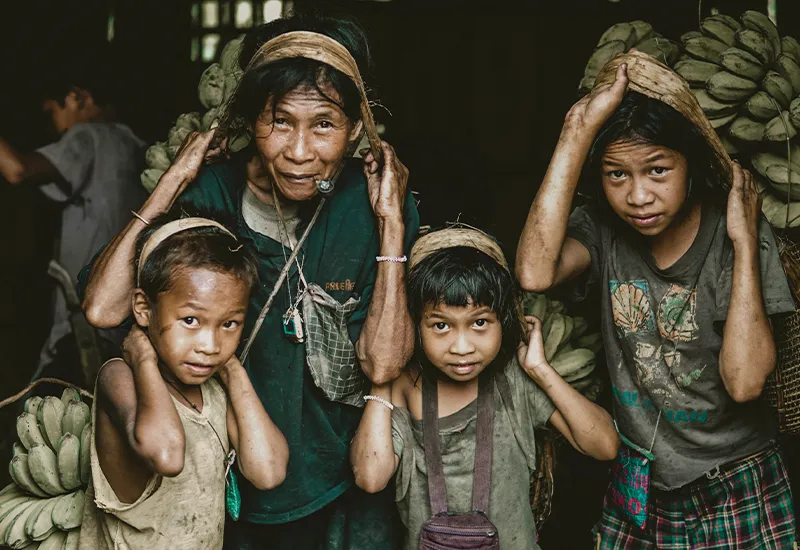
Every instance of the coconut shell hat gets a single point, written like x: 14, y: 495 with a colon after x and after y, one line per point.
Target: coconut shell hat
x: 308, y: 45
x: 651, y: 78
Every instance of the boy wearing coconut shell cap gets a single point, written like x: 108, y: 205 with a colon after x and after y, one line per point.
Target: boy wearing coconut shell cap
x: 339, y: 318
x: 688, y: 283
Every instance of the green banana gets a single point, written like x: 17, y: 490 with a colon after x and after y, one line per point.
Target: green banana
x: 790, y: 46
x: 794, y: 112
x: 780, y: 128
x: 603, y: 55
x: 557, y: 328
x: 8, y: 521
x: 32, y: 404
x: 569, y: 325
x: 790, y: 70
x: 762, y: 161
x: 729, y: 146
x: 690, y: 34
x: 76, y: 416
x: 778, y: 87
x: 717, y: 29
x: 644, y: 30
x: 662, y: 49
x: 761, y: 106
x: 757, y: 44
x: 86, y: 455
x: 539, y: 307
x: 580, y: 328
x: 567, y: 363
x: 582, y: 372
x: 728, y: 87
x: 587, y: 84
x: 68, y: 511
x: 55, y: 541
x: 9, y: 491
x: 19, y: 470
x: 28, y: 431
x: 732, y: 22
x: 49, y: 415
x: 555, y: 306
x: 743, y: 63
x: 69, y: 469
x: 11, y: 504
x: 759, y: 22
x: 719, y: 122
x: 592, y: 342
x: 18, y: 449
x: 713, y: 107
x: 696, y: 72
x: 625, y: 32
x: 30, y: 519
x: 705, y: 48
x: 70, y: 394
x: 747, y: 129
x: 42, y: 526
x: 43, y: 466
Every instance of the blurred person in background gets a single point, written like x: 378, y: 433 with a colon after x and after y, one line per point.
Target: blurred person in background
x: 92, y: 171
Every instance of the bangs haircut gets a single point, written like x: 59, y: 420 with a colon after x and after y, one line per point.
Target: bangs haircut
x: 197, y: 248
x: 463, y: 276
x: 643, y: 120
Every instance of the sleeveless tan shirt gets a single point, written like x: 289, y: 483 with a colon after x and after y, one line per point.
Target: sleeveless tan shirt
x: 186, y: 512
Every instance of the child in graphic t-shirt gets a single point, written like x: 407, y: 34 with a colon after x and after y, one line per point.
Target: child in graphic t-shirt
x: 688, y: 282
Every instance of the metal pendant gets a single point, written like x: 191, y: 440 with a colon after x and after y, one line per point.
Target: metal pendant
x: 293, y: 326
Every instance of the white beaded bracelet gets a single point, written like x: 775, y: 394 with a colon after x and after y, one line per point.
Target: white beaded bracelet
x: 380, y: 400
x: 393, y: 259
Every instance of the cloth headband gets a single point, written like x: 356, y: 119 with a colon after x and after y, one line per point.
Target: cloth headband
x: 456, y: 236
x: 650, y: 77
x: 167, y: 230
x: 316, y: 46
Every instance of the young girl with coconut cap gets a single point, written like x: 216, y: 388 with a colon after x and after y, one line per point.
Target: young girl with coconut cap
x: 457, y: 427
x: 687, y: 285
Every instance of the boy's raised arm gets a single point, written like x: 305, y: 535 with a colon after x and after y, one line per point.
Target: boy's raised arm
x: 544, y: 257
x: 371, y: 451
x: 107, y: 301
x: 261, y: 447
x: 140, y: 406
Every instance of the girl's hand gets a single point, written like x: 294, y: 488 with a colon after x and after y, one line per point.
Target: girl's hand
x: 387, y: 189
x: 592, y: 111
x: 531, y: 356
x: 193, y: 152
x: 228, y: 369
x: 137, y: 348
x: 744, y: 208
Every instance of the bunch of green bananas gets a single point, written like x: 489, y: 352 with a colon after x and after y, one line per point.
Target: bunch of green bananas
x: 217, y: 84
x: 43, y: 506
x: 620, y: 38
x: 745, y: 77
x: 567, y: 346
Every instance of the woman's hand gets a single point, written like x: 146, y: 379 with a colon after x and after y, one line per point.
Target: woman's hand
x: 193, y: 153
x: 744, y: 208
x: 387, y: 188
x: 531, y: 355
x: 137, y: 348
x: 592, y: 111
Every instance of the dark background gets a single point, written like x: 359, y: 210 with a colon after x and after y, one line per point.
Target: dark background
x: 477, y: 90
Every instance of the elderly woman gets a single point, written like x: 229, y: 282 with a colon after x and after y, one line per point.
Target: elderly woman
x: 342, y: 306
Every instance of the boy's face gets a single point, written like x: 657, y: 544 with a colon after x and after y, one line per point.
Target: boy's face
x: 460, y: 341
x: 196, y: 325
x: 646, y: 185
x: 70, y: 113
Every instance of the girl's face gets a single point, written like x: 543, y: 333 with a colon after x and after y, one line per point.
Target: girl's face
x: 195, y: 326
x: 646, y: 185
x: 460, y: 341
x: 305, y: 141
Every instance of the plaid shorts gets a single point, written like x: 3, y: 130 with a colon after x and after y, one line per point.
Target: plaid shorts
x: 747, y: 506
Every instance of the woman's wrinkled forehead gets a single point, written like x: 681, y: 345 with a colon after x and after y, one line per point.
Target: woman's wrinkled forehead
x: 631, y: 151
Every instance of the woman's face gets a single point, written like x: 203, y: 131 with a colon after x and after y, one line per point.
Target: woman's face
x: 646, y: 185
x: 304, y: 141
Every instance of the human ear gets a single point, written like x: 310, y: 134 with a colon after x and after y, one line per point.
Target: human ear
x: 142, y: 310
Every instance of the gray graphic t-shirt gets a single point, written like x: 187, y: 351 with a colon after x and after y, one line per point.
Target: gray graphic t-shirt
x: 662, y: 330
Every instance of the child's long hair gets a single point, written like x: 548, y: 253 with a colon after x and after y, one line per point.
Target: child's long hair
x: 459, y: 276
x: 645, y: 120
x: 200, y: 247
